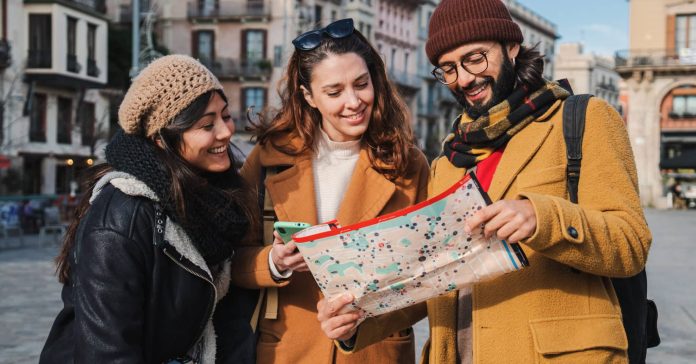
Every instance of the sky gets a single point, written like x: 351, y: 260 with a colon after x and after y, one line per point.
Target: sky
x: 601, y: 25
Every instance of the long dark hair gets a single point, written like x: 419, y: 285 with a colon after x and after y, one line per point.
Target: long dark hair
x: 183, y: 174
x: 388, y: 136
x: 529, y: 66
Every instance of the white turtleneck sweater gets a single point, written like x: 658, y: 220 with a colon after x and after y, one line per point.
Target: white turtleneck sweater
x: 333, y: 163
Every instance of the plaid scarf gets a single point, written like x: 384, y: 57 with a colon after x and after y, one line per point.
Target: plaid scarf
x: 472, y: 141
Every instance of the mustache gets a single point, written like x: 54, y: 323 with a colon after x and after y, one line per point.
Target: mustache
x: 474, y: 85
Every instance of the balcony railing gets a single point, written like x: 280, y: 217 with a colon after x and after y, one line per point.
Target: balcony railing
x: 655, y: 58
x: 39, y: 59
x: 96, y: 5
x: 240, y: 68
x: 92, y: 69
x: 405, y: 79
x: 5, y: 54
x: 229, y: 9
x: 73, y: 65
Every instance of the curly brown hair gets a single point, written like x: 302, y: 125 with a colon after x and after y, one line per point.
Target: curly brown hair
x: 388, y: 137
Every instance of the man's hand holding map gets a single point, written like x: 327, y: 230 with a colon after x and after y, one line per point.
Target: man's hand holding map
x: 408, y: 256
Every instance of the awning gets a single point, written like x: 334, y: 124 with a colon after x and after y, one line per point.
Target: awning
x: 686, y: 160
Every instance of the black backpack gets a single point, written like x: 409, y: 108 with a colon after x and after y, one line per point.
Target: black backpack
x: 639, y: 313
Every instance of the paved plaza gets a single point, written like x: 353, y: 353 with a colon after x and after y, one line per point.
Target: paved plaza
x: 30, y: 293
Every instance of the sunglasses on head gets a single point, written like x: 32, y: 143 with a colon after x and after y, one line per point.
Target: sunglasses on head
x: 311, y: 39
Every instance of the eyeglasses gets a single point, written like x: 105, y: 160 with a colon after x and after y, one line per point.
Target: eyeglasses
x: 311, y: 39
x: 475, y: 63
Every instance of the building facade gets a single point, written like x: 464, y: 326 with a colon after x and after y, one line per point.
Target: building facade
x: 54, y: 117
x: 588, y: 73
x: 537, y: 31
x: 660, y: 73
x: 245, y: 43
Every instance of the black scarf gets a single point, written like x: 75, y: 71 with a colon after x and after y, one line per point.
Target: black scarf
x: 213, y: 222
x: 473, y: 140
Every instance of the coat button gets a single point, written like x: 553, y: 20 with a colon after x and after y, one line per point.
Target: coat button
x: 572, y: 232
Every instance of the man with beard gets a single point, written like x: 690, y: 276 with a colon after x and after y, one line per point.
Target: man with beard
x: 562, y: 307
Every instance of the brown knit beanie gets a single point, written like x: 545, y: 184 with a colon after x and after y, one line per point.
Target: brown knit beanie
x: 161, y: 91
x: 457, y: 22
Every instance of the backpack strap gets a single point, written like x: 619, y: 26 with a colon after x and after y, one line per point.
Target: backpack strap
x: 574, y: 109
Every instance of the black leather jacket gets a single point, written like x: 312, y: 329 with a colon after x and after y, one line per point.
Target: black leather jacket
x: 129, y: 299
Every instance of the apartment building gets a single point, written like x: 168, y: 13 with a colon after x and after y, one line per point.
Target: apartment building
x: 588, y: 73
x: 53, y: 57
x: 246, y: 43
x: 660, y: 73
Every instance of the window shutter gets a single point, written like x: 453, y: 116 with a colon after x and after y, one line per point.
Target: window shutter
x: 671, y: 29
x: 194, y: 44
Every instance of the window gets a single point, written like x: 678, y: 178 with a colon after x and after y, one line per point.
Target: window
x: 73, y: 66
x: 252, y: 97
x: 684, y: 106
x: 39, y: 41
x: 207, y: 7
x: 685, y: 33
x: 406, y: 62
x: 92, y: 69
x: 278, y: 54
x: 37, y: 119
x: 393, y: 59
x: 87, y: 121
x: 369, y: 31
x: 64, y: 121
x: 317, y: 16
x: 204, y: 46
x: 253, y: 44
x: 333, y: 16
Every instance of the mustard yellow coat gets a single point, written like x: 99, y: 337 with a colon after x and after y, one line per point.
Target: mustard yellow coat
x: 295, y: 336
x: 560, y: 309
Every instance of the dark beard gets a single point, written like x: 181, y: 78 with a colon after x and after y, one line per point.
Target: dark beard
x: 502, y: 88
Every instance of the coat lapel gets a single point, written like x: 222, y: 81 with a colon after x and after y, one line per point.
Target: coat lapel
x: 292, y: 190
x: 367, y: 194
x: 519, y: 151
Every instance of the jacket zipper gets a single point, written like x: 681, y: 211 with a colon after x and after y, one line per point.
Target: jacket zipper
x: 212, y: 311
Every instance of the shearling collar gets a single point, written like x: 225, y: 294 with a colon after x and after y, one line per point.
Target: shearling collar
x: 177, y: 238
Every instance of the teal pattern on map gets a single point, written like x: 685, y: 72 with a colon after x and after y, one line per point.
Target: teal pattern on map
x: 409, y: 256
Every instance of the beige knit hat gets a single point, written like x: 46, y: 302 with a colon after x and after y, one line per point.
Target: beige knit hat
x: 161, y: 91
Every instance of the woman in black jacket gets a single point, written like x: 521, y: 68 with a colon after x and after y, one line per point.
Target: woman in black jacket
x: 146, y: 260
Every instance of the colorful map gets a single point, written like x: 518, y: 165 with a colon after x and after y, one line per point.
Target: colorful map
x: 409, y: 256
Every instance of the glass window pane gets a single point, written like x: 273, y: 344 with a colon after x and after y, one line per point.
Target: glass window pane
x: 680, y: 32
x: 692, y: 32
x: 679, y: 105
x: 691, y: 105
x: 254, y: 44
x: 205, y: 47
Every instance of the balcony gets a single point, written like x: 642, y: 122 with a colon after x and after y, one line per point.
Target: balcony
x: 241, y: 69
x: 5, y: 54
x: 663, y: 60
x: 232, y: 10
x: 93, y: 7
x: 73, y: 65
x: 39, y: 58
x: 405, y: 80
x: 92, y: 69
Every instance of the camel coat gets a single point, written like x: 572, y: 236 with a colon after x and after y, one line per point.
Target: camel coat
x: 562, y: 308
x: 295, y: 336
